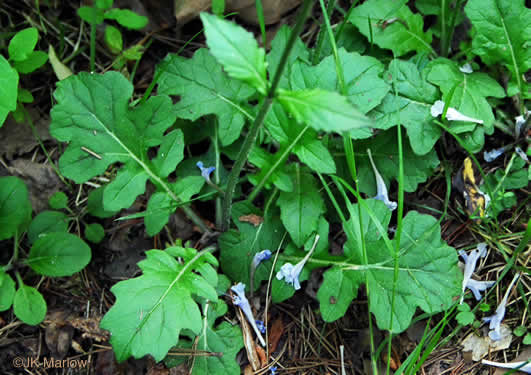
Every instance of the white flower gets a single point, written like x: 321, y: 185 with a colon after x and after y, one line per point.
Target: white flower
x: 470, y: 265
x: 290, y: 273
x: 452, y: 114
x: 521, y: 366
x: 381, y: 189
x: 496, y: 319
x: 241, y: 301
x: 467, y: 69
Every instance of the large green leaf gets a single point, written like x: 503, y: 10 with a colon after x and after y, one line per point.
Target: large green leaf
x: 8, y: 89
x: 7, y: 291
x: 428, y: 276
x: 237, y: 50
x: 22, y: 44
x: 300, y: 209
x: 15, y: 207
x: 239, y: 247
x: 225, y: 339
x: 471, y: 90
x: 410, y: 106
x: 323, y: 110
x: 205, y: 89
x: 362, y: 75
x: 92, y: 114
x: 151, y: 310
x: 392, y: 26
x: 502, y: 35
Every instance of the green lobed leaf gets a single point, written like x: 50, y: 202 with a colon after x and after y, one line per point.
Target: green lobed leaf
x: 322, y: 110
x: 58, y: 254
x: 15, y: 207
x: 95, y: 204
x: 362, y: 75
x: 224, y: 339
x: 392, y: 26
x: 22, y: 44
x: 205, y: 89
x: 502, y: 36
x: 92, y: 114
x: 8, y: 89
x: 127, y: 18
x: 7, y: 291
x: 300, y: 210
x: 151, y: 310
x: 237, y: 50
x: 29, y: 305
x: 428, y: 276
x: 470, y: 93
x: 47, y: 222
x: 411, y: 107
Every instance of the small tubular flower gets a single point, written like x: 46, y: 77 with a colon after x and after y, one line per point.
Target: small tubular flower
x: 493, y: 154
x: 496, y: 319
x: 261, y: 326
x: 205, y: 172
x: 521, y: 153
x: 467, y: 69
x: 291, y: 273
x: 381, y: 189
x: 520, y: 366
x: 241, y: 301
x: 470, y: 265
x: 452, y: 114
x: 273, y: 370
x: 260, y: 257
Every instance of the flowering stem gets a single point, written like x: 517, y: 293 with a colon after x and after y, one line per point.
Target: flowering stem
x: 259, y: 120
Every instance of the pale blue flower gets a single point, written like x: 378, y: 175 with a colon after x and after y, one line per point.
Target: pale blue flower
x: 205, y: 172
x: 467, y: 69
x: 381, y: 189
x: 496, y: 319
x: 273, y: 370
x: 290, y: 273
x: 241, y: 301
x: 524, y: 366
x: 260, y: 257
x: 470, y: 266
x: 521, y: 153
x: 493, y: 154
x: 452, y: 114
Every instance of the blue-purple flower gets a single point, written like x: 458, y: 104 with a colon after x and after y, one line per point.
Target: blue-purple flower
x: 261, y: 326
x: 260, y: 257
x: 496, y: 319
x: 241, y: 301
x: 381, y: 189
x: 273, y: 370
x: 205, y: 172
x: 470, y: 265
x: 290, y: 273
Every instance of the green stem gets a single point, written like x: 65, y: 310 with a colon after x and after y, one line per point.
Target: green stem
x: 93, y: 46
x: 320, y: 37
x: 279, y: 161
x: 259, y: 120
